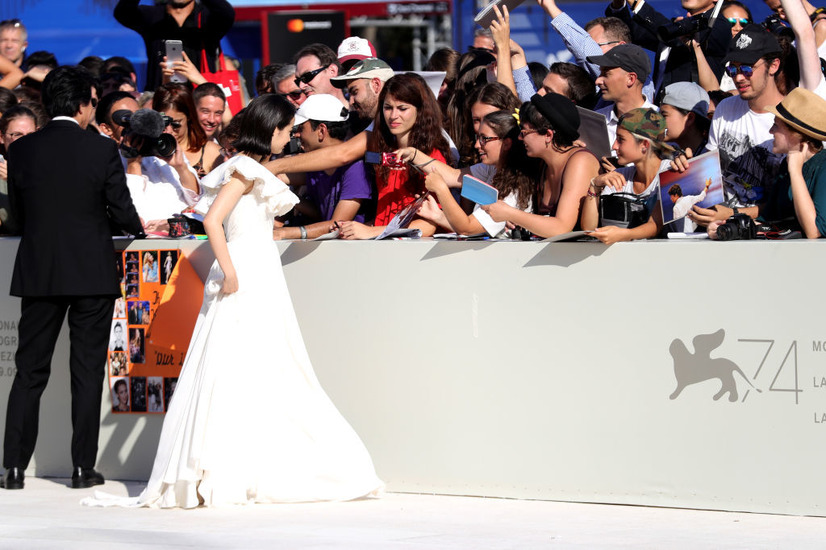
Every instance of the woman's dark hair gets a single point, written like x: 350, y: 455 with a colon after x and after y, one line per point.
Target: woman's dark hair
x: 179, y: 97
x: 40, y: 116
x: 231, y: 132
x: 471, y: 73
x: 702, y: 123
x: 12, y: 113
x: 264, y: 115
x: 515, y: 172
x: 118, y: 383
x: 742, y: 6
x: 445, y: 59
x: 426, y: 134
x: 493, y: 94
x: 7, y: 99
x: 529, y: 114
x: 65, y: 89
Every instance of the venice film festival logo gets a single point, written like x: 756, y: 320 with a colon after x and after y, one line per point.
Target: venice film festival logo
x: 699, y: 366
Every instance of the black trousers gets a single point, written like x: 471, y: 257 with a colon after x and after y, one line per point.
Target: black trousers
x: 90, y: 319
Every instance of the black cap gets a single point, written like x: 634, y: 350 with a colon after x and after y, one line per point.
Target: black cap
x: 628, y: 57
x: 560, y: 112
x: 752, y: 43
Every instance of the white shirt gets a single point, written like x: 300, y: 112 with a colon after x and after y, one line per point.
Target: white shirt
x: 612, y: 119
x: 157, y: 192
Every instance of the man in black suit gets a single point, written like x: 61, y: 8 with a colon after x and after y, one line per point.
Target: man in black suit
x: 65, y: 186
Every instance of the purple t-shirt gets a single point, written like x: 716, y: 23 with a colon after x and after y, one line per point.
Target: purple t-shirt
x: 346, y: 183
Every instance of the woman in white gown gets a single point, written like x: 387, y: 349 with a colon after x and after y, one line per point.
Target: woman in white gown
x: 249, y: 421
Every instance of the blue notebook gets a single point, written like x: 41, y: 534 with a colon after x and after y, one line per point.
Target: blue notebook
x: 478, y: 191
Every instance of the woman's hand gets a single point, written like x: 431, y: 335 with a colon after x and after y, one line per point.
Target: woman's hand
x: 704, y: 216
x: 430, y: 210
x: 500, y: 28
x: 230, y: 285
x: 609, y: 234
x: 615, y: 180
x: 680, y: 162
x: 435, y: 183
x: 410, y: 154
x: 498, y: 211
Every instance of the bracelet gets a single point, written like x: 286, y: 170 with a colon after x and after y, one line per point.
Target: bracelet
x: 303, y: 232
x: 423, y: 165
x: 591, y: 193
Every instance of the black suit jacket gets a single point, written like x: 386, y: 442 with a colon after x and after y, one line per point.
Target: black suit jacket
x: 65, y: 184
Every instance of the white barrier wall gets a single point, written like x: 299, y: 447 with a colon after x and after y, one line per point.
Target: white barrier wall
x: 543, y: 371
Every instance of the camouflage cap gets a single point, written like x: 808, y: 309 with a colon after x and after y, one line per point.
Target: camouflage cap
x: 644, y: 123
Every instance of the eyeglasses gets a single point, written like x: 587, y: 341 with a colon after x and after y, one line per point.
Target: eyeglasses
x: 308, y: 77
x: 745, y: 70
x: 94, y: 102
x: 484, y: 140
x: 295, y: 95
x: 167, y: 121
x: 608, y: 43
x: 524, y: 133
x: 734, y: 21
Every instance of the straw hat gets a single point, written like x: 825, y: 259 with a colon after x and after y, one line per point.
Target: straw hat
x: 803, y: 105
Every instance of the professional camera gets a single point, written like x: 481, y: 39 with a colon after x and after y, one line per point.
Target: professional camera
x: 777, y: 26
x: 145, y: 130
x: 684, y: 27
x: 738, y: 227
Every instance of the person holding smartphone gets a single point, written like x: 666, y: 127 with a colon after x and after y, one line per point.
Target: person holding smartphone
x: 199, y: 26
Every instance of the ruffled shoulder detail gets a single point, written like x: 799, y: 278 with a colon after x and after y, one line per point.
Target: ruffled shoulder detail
x: 266, y: 187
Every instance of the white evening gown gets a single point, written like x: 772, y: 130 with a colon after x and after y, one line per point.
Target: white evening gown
x: 249, y: 421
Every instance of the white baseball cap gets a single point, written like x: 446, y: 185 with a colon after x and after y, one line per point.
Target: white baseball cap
x: 322, y: 108
x: 355, y: 47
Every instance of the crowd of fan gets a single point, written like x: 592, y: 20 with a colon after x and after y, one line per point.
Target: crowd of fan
x: 370, y: 141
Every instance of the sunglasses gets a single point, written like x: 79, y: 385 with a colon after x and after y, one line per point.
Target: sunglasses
x: 94, y: 102
x: 308, y: 77
x: 734, y: 21
x: 745, y: 70
x: 484, y: 140
x: 11, y: 23
x: 167, y: 120
x: 295, y: 95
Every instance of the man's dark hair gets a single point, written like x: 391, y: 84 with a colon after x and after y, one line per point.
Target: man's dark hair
x: 538, y: 73
x: 65, y: 89
x: 42, y: 57
x: 615, y: 28
x: 263, y: 78
x: 581, y: 88
x: 93, y: 64
x: 264, y: 115
x: 102, y: 113
x: 675, y: 190
x: 208, y: 88
x: 336, y: 130
x: 325, y: 55
x: 118, y: 61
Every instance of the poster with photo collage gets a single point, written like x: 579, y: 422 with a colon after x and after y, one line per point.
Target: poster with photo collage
x: 143, y: 374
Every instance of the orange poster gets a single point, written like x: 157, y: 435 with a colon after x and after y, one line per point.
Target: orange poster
x: 151, y: 327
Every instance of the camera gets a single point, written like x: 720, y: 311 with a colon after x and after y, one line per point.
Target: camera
x: 146, y: 128
x: 684, y: 27
x: 738, y: 227
x: 777, y: 27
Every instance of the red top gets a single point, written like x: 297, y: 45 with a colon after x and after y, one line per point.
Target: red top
x: 393, y: 195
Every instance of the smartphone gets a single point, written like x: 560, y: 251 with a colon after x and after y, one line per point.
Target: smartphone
x: 175, y: 52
